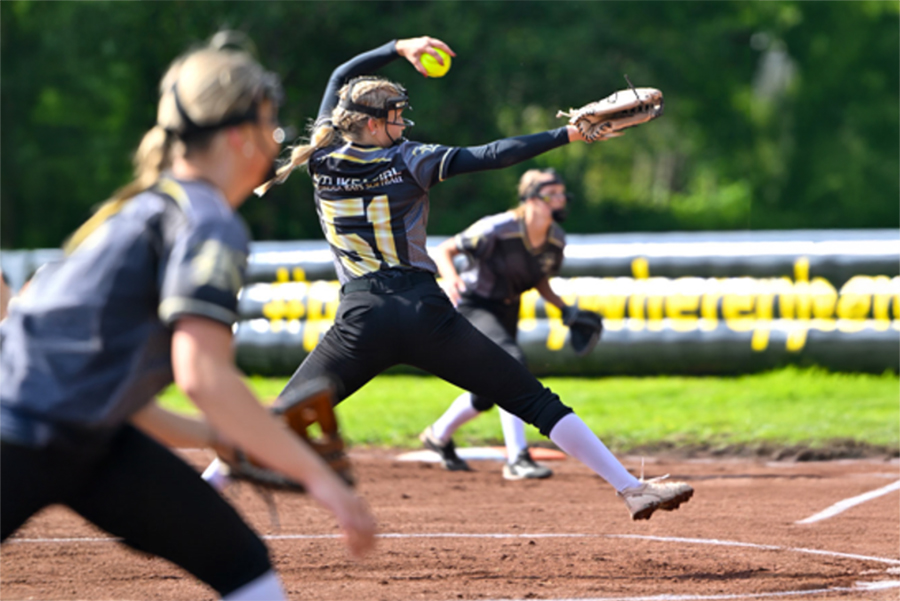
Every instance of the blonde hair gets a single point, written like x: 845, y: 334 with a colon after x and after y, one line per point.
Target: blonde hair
x: 202, y: 91
x: 533, y: 180
x: 343, y: 123
x: 531, y: 183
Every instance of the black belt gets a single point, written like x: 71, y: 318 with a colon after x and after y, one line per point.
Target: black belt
x: 388, y: 285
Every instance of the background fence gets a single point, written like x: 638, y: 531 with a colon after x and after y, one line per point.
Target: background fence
x: 679, y: 303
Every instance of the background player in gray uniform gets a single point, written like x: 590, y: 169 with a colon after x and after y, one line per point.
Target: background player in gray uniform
x: 371, y: 191
x: 508, y: 254
x: 147, y: 292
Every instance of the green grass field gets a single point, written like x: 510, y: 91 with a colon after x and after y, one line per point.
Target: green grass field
x: 784, y: 407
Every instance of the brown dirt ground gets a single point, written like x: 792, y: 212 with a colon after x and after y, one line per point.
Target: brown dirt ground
x: 749, y: 500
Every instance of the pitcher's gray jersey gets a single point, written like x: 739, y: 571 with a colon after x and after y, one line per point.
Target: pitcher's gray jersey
x: 373, y: 204
x: 501, y: 261
x: 88, y: 343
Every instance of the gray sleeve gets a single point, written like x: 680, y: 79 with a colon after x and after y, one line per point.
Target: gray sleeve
x: 427, y: 163
x: 367, y: 62
x: 204, y: 272
x: 478, y: 240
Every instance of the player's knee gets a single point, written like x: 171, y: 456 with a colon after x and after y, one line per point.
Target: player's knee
x: 517, y: 354
x: 543, y: 410
x: 550, y: 415
x: 513, y: 350
x: 479, y: 403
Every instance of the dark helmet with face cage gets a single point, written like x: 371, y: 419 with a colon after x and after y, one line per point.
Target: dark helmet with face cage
x: 394, y: 103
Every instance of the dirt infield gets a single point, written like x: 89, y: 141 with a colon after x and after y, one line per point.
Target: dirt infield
x: 449, y: 536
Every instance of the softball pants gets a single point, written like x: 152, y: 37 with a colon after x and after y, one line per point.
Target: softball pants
x: 396, y: 318
x: 136, y: 489
x: 498, y: 321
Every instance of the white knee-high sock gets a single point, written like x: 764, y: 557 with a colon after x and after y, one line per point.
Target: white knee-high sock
x: 513, y: 434
x: 574, y: 437
x: 265, y: 588
x: 459, y: 412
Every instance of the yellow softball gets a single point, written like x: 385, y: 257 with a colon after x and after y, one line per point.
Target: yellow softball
x: 432, y: 67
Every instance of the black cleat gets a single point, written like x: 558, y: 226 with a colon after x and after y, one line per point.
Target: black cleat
x: 449, y: 459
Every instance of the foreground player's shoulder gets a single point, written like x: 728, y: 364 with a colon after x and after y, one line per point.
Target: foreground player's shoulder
x: 208, y: 213
x: 205, y: 269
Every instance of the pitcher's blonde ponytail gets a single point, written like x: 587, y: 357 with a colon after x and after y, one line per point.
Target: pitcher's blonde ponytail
x: 322, y: 135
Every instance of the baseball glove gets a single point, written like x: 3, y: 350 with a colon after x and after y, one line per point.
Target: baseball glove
x: 585, y: 328
x: 607, y: 118
x: 308, y: 406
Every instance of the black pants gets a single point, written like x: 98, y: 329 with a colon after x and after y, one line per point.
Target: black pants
x: 407, y: 319
x: 498, y: 321
x: 136, y: 489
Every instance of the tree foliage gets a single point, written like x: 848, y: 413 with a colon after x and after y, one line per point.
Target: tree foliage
x: 778, y: 114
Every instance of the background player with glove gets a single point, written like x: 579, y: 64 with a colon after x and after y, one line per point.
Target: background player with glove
x: 372, y: 195
x: 507, y: 254
x: 608, y: 118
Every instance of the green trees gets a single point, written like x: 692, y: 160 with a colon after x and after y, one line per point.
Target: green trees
x: 778, y: 114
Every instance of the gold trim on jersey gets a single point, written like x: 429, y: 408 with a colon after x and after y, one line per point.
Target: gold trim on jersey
x: 175, y: 190
x: 363, y: 148
x: 441, y: 169
x: 378, y: 214
x: 353, y: 159
x: 110, y: 208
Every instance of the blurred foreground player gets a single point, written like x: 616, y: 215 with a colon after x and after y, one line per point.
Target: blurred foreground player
x: 5, y: 295
x: 371, y: 192
x: 147, y: 292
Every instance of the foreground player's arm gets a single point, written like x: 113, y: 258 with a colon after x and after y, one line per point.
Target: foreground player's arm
x: 443, y: 258
x: 174, y: 430
x: 204, y: 369
x: 179, y: 431
x: 368, y: 62
x: 551, y: 297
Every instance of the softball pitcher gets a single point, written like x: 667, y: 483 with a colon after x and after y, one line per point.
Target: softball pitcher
x: 371, y: 192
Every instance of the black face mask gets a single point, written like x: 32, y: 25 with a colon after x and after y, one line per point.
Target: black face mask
x: 405, y: 122
x: 396, y: 142
x: 559, y: 215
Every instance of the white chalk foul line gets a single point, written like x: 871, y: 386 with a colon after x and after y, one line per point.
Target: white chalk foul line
x: 846, y: 504
x: 500, y: 535
x: 732, y: 543
x: 861, y: 587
